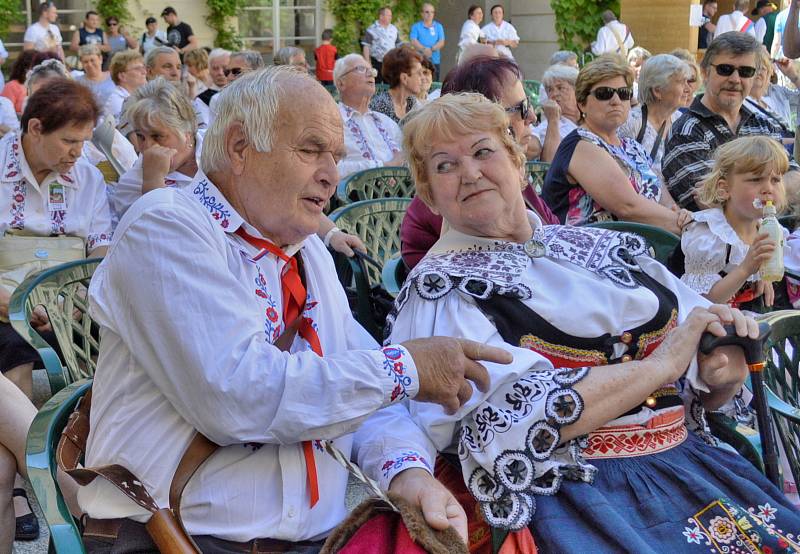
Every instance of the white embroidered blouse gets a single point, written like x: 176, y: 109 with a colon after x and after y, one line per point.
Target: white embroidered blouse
x: 74, y: 203
x: 582, y: 283
x: 710, y: 245
x: 371, y: 139
x: 187, y: 317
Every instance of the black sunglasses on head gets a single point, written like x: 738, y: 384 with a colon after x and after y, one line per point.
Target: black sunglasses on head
x: 604, y: 94
x: 523, y: 107
x: 726, y: 70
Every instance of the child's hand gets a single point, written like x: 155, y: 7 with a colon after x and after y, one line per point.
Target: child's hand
x: 766, y: 288
x: 760, y: 251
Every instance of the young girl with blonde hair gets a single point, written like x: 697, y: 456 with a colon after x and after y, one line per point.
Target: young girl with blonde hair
x: 723, y: 247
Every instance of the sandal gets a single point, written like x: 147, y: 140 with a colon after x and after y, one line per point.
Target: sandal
x: 27, y: 525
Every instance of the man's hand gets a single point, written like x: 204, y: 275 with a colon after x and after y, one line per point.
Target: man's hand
x: 39, y: 319
x: 156, y: 162
x: 445, y: 365
x: 345, y: 243
x: 439, y: 506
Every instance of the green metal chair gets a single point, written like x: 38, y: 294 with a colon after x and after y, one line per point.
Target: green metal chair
x: 43, y: 438
x: 536, y: 174
x: 782, y: 380
x: 62, y: 292
x: 532, y: 90
x: 380, y: 182
x: 377, y: 223
x: 661, y: 241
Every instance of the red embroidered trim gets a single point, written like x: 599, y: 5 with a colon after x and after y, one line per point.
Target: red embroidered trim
x: 626, y: 441
x: 563, y: 356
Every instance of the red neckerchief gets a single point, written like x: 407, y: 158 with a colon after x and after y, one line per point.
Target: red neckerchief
x: 294, y: 303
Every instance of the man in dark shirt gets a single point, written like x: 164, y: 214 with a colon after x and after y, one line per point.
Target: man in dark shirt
x: 720, y: 115
x: 706, y: 32
x: 90, y: 33
x: 179, y: 34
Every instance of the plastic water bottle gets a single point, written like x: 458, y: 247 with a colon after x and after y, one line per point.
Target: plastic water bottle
x: 772, y: 269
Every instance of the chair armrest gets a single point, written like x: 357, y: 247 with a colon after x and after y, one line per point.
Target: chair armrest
x: 18, y: 317
x: 40, y: 461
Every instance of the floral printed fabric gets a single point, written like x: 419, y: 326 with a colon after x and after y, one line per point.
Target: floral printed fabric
x: 634, y: 162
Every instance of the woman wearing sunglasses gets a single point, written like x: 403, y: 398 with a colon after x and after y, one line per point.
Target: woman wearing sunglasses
x: 596, y: 175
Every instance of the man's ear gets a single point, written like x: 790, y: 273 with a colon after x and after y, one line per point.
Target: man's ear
x: 236, y: 146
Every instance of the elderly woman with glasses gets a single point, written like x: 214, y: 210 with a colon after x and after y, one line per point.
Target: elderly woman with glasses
x: 775, y: 102
x: 402, y: 71
x: 593, y: 437
x: 597, y: 175
x: 663, y: 87
x: 560, y: 110
x: 371, y: 138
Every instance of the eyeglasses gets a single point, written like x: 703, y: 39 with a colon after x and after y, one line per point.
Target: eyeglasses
x: 726, y: 70
x: 112, y: 24
x: 235, y: 71
x: 362, y: 69
x: 604, y: 94
x: 523, y: 107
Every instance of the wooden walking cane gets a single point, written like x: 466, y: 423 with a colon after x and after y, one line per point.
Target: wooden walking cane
x: 755, y: 358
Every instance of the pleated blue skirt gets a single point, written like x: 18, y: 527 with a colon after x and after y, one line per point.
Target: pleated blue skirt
x: 691, y: 498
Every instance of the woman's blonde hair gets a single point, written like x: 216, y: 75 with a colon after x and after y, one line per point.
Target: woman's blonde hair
x: 755, y: 154
x: 159, y: 101
x: 448, y: 118
x: 197, y: 58
x: 120, y: 62
x: 600, y: 69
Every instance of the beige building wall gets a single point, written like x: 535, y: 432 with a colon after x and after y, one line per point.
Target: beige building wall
x: 660, y: 25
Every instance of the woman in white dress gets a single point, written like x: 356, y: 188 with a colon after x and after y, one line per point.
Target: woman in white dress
x: 593, y: 439
x: 471, y: 30
x: 500, y: 33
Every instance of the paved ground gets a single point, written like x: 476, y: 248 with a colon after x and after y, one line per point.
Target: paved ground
x: 355, y: 494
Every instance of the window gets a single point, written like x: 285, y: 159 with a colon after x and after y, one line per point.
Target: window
x: 269, y: 25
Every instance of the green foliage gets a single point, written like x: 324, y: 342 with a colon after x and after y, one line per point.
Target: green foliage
x: 577, y: 21
x: 111, y: 8
x: 218, y: 18
x: 9, y: 14
x: 354, y: 16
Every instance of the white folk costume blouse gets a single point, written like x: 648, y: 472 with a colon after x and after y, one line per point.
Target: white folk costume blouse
x: 578, y: 286
x: 710, y: 246
x: 505, y: 31
x: 187, y: 318
x: 74, y: 203
x: 371, y: 140
x: 129, y: 187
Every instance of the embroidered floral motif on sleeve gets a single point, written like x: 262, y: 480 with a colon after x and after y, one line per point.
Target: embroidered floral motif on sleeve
x: 93, y: 240
x: 403, y: 458
x: 505, y: 482
x: 395, y: 367
x: 358, y: 134
x: 215, y: 208
x: 18, y: 205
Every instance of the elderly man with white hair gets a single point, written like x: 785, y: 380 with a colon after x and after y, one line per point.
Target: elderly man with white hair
x: 221, y: 314
x: 218, y: 60
x: 371, y: 138
x: 560, y: 107
x: 663, y: 88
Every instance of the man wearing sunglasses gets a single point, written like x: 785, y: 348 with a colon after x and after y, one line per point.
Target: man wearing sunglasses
x: 372, y: 139
x: 716, y: 117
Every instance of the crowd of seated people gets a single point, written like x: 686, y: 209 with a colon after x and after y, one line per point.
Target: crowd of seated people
x: 220, y: 313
